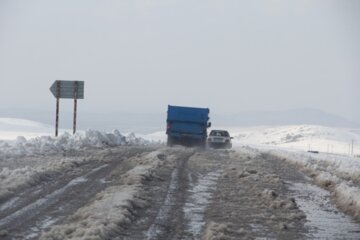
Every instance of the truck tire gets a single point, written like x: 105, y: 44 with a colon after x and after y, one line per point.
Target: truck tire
x: 170, y: 141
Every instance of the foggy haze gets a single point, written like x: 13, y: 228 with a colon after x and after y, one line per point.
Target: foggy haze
x: 139, y: 56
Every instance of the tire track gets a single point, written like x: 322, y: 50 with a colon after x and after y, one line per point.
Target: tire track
x: 56, y: 201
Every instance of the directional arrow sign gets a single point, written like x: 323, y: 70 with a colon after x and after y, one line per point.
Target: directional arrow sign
x: 68, y: 89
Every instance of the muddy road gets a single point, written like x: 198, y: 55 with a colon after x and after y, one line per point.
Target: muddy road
x: 173, y: 193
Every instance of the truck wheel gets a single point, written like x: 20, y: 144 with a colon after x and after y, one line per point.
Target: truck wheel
x: 170, y: 141
x: 203, y: 144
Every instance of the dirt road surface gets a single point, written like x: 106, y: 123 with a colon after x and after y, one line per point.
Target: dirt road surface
x: 174, y: 193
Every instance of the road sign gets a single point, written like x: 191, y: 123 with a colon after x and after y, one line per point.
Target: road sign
x: 68, y: 89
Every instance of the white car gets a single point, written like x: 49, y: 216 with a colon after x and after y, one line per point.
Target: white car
x: 219, y: 139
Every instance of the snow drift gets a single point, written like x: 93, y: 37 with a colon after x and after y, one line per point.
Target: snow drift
x: 65, y: 142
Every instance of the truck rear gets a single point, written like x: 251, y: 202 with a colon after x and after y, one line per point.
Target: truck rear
x: 187, y: 126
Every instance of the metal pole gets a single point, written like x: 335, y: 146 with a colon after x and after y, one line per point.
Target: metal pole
x: 57, y: 109
x: 57, y: 117
x: 75, y: 105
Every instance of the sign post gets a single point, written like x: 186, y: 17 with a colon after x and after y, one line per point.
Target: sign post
x: 76, y: 86
x: 57, y: 108
x: 67, y: 89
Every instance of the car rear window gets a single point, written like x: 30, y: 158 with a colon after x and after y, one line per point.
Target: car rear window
x: 219, y: 133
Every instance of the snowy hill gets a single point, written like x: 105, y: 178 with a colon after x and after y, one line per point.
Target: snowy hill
x: 10, y: 128
x: 302, y: 137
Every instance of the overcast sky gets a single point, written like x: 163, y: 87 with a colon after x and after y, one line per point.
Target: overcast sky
x: 141, y: 55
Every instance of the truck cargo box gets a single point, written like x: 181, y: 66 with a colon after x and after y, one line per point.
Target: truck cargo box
x: 187, y: 125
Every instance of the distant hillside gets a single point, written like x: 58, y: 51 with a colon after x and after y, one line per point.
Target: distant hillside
x: 14, y: 124
x: 303, y: 137
x: 152, y: 122
x: 10, y: 128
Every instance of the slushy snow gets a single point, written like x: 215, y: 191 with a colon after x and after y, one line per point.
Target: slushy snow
x: 113, y: 208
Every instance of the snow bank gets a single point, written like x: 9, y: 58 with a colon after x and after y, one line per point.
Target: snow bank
x: 348, y: 198
x: 14, y: 175
x: 112, y: 209
x: 339, y: 174
x: 344, y: 167
x: 65, y: 142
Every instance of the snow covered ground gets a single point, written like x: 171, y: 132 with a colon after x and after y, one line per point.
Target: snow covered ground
x: 333, y: 168
x: 299, y: 137
x: 121, y: 174
x: 336, y: 173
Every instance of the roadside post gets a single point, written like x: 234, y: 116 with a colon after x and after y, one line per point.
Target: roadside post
x: 67, y: 89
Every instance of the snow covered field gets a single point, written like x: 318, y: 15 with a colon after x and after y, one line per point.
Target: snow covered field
x: 299, y: 137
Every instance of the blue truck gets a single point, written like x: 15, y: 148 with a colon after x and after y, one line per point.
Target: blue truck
x: 187, y: 126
